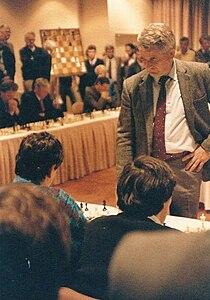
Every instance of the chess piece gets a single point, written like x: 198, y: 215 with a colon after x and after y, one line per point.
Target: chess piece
x: 104, y: 204
x: 203, y: 219
x: 81, y: 205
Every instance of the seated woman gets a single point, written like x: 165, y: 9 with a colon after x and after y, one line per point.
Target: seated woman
x: 34, y: 253
x: 37, y: 104
x: 144, y: 195
x: 38, y: 158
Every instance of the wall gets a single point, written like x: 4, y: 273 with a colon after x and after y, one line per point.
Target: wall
x: 33, y: 15
x: 98, y: 20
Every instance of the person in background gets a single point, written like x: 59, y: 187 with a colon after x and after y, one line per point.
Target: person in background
x: 7, y: 60
x: 135, y: 67
x: 113, y: 66
x: 65, y: 89
x: 164, y: 113
x: 37, y: 104
x: 101, y: 71
x: 38, y: 158
x: 203, y: 54
x: 9, y: 105
x: 35, y: 241
x: 97, y: 96
x: 91, y: 62
x: 7, y: 31
x: 184, y: 52
x: 36, y: 62
x: 144, y: 193
x: 128, y: 59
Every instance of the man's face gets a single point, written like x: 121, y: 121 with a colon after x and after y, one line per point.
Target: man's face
x: 102, y: 87
x: 184, y: 46
x: 7, y: 32
x: 91, y: 53
x: 41, y: 91
x: 8, y: 95
x: 110, y: 53
x: 30, y: 40
x: 205, y: 44
x: 129, y: 50
x: 157, y: 62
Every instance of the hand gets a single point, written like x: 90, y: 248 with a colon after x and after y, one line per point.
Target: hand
x: 13, y: 107
x: 197, y: 159
x: 109, y: 99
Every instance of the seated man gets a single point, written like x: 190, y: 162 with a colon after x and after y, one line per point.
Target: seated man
x: 37, y: 104
x: 97, y: 96
x: 184, y: 52
x: 144, y: 194
x: 203, y: 54
x: 35, y: 240
x: 37, y: 161
x: 9, y: 111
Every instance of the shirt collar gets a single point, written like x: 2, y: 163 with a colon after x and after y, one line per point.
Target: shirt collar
x: 154, y: 219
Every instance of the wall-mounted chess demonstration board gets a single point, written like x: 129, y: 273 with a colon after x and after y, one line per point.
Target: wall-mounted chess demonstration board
x: 65, y: 47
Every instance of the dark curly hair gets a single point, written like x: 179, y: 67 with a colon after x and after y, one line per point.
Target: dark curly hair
x: 37, y: 153
x: 144, y: 185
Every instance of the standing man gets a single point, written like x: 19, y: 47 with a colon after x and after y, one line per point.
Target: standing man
x: 36, y: 62
x: 113, y: 67
x: 203, y: 54
x: 164, y: 113
x: 7, y: 60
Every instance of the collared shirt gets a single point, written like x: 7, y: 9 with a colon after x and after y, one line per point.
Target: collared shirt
x: 155, y: 219
x: 92, y: 62
x: 178, y: 137
x: 113, y: 67
x: 188, y: 56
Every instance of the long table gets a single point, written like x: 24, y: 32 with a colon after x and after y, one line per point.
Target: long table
x: 89, y: 145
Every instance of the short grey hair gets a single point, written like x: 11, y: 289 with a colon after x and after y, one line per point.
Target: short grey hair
x: 28, y: 34
x: 157, y: 35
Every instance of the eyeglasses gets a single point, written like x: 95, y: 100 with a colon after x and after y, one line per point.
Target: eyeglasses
x: 151, y: 61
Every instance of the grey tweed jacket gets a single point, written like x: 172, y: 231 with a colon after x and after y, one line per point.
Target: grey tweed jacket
x: 135, y: 125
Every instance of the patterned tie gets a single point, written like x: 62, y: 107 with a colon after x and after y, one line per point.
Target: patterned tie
x: 158, y: 145
x: 110, y: 69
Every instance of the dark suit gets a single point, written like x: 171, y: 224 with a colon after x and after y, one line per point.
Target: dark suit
x: 89, y: 78
x: 134, y: 69
x: 6, y: 120
x: 119, y: 72
x: 9, y: 63
x: 135, y: 128
x: 101, y: 237
x: 30, y: 108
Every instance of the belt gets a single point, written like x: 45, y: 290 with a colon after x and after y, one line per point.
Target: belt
x: 170, y: 156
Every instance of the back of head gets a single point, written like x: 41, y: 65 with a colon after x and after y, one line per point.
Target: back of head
x: 34, y: 243
x: 40, y: 82
x: 144, y: 185
x: 37, y: 154
x: 102, y: 80
x: 161, y: 266
x: 157, y: 35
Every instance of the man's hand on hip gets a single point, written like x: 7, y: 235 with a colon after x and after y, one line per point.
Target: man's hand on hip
x: 197, y: 159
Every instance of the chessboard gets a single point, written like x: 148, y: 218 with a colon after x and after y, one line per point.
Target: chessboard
x: 65, y: 47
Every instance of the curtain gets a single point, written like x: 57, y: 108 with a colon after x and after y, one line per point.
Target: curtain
x: 185, y: 17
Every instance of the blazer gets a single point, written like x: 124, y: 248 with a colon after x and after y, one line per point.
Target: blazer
x: 102, y: 235
x: 30, y: 108
x: 135, y: 126
x: 119, y: 72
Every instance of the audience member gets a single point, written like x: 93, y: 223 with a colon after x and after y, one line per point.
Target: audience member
x: 36, y: 62
x: 34, y: 236
x: 203, y: 54
x: 7, y: 32
x: 113, y: 66
x: 7, y: 60
x: 65, y: 89
x: 179, y: 133
x: 97, y: 96
x: 37, y: 161
x: 153, y: 267
x: 144, y: 195
x: 101, y: 71
x: 9, y: 106
x: 91, y: 62
x: 128, y: 59
x: 184, y: 52
x: 37, y: 104
x: 135, y: 67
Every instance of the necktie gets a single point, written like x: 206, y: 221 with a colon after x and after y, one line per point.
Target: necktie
x: 42, y: 105
x: 158, y: 145
x: 110, y: 69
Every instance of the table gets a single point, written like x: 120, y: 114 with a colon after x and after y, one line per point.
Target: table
x: 89, y: 145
